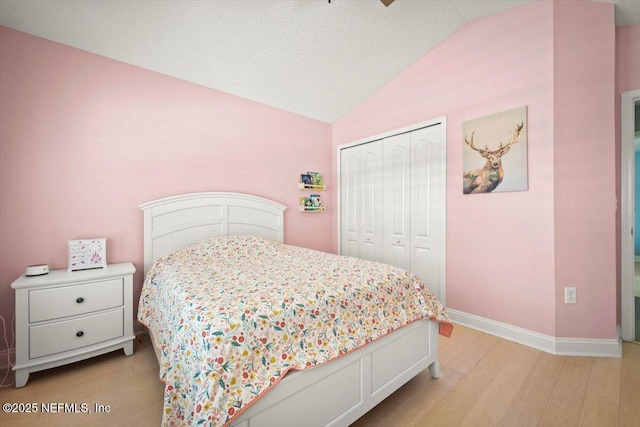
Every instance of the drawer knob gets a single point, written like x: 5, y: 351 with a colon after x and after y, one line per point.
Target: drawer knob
x: 80, y: 300
x: 79, y: 334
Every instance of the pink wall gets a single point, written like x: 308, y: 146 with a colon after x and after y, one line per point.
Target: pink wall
x: 502, y: 262
x: 84, y: 140
x: 627, y: 58
x: 584, y: 168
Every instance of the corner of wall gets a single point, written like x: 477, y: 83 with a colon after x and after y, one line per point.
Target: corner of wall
x: 584, y: 167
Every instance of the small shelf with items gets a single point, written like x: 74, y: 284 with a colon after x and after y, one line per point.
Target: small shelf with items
x: 313, y: 203
x: 311, y: 181
x: 305, y: 209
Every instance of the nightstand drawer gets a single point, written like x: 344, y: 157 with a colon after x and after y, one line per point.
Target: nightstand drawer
x: 67, y: 335
x: 54, y: 303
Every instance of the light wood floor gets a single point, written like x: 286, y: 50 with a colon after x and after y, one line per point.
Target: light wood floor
x: 486, y: 381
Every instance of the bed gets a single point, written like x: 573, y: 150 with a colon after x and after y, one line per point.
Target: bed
x: 326, y: 364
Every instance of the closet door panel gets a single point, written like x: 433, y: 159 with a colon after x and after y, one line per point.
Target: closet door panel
x: 426, y: 205
x: 396, y: 195
x: 371, y: 201
x: 349, y: 200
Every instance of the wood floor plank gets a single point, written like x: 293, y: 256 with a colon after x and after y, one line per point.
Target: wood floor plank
x: 565, y: 404
x: 497, y: 396
x: 630, y: 385
x: 461, y: 339
x: 602, y: 400
x: 526, y: 408
x: 451, y: 409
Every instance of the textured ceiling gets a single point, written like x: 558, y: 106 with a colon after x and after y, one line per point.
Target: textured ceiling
x: 311, y: 57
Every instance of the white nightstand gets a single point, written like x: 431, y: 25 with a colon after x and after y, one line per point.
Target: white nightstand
x: 63, y: 317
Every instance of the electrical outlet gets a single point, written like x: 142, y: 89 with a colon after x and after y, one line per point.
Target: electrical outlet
x: 569, y: 295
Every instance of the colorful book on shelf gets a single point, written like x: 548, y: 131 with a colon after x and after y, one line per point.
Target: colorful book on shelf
x: 316, y: 201
x: 316, y: 178
x: 312, y: 180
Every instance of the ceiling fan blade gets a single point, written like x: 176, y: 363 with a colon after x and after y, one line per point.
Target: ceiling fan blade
x: 386, y: 2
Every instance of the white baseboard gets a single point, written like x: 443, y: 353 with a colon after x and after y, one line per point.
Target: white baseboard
x: 549, y: 344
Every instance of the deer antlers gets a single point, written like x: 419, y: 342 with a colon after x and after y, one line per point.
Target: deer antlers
x: 514, y: 137
x: 512, y: 140
x: 472, y: 145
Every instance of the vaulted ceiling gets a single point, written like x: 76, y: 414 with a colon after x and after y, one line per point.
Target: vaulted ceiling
x: 312, y: 57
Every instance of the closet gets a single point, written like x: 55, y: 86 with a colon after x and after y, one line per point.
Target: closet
x: 361, y: 201
x: 392, y: 201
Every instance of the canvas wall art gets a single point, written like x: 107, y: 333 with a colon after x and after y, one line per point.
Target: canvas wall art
x: 494, y: 153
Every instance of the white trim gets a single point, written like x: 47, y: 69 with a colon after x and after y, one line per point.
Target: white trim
x: 627, y: 216
x: 589, y: 347
x: 387, y: 134
x: 442, y: 120
x: 443, y: 255
x: 546, y: 343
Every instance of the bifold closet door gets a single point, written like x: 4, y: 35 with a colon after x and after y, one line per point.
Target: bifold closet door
x: 396, y: 235
x: 371, y: 201
x: 361, y: 201
x: 350, y: 193
x: 427, y: 206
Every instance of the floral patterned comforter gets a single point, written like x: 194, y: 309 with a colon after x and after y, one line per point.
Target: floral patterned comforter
x: 232, y: 315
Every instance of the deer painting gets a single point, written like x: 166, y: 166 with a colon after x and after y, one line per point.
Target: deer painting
x: 486, y: 180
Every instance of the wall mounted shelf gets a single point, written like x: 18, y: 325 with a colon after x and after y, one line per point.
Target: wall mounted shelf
x: 303, y: 186
x: 306, y: 209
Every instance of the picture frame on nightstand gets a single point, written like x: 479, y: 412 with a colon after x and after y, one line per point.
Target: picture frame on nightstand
x: 86, y: 254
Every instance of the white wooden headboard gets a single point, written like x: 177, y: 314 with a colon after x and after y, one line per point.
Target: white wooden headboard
x: 175, y: 222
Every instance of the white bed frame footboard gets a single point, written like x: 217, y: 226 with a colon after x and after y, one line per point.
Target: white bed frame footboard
x: 341, y: 391
x: 333, y: 394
